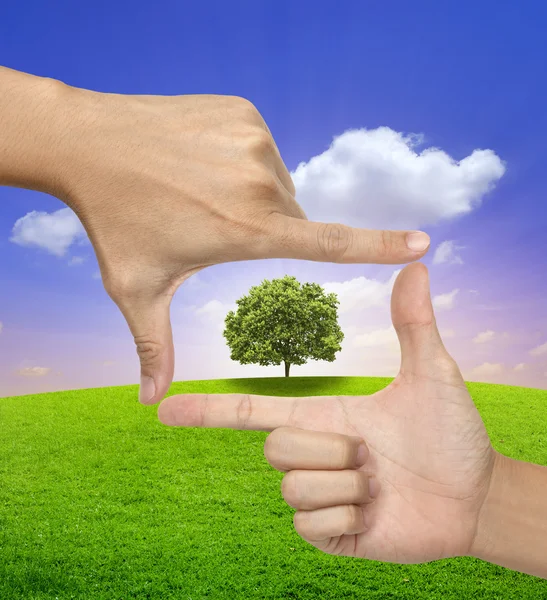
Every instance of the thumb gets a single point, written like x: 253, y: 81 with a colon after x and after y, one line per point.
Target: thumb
x: 333, y: 242
x: 150, y: 324
x: 422, y: 350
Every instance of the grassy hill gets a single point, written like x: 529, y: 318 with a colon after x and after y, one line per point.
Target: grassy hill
x: 99, y: 500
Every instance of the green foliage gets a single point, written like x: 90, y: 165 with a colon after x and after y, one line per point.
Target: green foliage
x: 283, y: 321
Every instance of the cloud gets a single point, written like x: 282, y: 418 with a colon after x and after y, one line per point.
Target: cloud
x: 473, y: 291
x: 214, y: 312
x: 486, y: 370
x: 1, y: 326
x: 355, y: 294
x: 53, y: 232
x: 34, y: 371
x: 484, y: 336
x: 446, y: 253
x: 76, y: 260
x: 378, y: 338
x: 445, y: 301
x: 97, y: 275
x: 378, y: 178
x: 520, y: 367
x: 361, y: 292
x: 194, y: 282
x: 447, y: 333
x: 539, y: 350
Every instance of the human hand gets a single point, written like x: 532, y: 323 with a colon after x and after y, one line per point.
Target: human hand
x: 427, y: 448
x: 166, y: 186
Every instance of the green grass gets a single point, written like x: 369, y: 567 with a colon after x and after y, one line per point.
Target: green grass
x: 99, y: 500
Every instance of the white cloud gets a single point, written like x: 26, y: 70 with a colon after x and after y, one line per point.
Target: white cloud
x: 53, y: 232
x: 378, y: 338
x: 97, y: 275
x: 214, y: 312
x: 76, y: 260
x: 473, y: 291
x: 34, y: 371
x: 446, y: 253
x: 361, y: 292
x: 444, y: 301
x: 194, y: 282
x: 484, y: 336
x: 447, y: 333
x: 1, y: 326
x: 378, y: 178
x: 486, y: 370
x: 355, y: 294
x: 539, y: 350
x: 520, y: 367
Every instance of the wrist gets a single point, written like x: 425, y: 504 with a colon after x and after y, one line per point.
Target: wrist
x: 512, y: 523
x: 35, y: 127
x: 486, y: 522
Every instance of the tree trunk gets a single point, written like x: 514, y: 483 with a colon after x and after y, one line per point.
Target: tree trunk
x: 287, y: 368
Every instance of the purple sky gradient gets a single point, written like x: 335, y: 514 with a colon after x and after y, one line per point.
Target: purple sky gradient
x: 452, y: 75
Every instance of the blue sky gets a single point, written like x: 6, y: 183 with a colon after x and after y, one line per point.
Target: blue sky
x: 466, y: 75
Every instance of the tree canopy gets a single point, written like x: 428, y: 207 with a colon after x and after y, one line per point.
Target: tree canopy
x: 284, y: 321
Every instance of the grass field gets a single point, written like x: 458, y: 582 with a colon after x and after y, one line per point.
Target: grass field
x: 98, y: 500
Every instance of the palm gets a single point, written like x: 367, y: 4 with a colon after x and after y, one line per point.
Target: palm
x: 428, y: 446
x: 430, y: 457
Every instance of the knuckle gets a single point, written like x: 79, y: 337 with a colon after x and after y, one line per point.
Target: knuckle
x: 333, y: 240
x: 352, y: 517
x: 301, y: 522
x: 245, y: 105
x: 147, y: 349
x: 118, y: 287
x: 259, y: 141
x: 262, y: 182
x: 383, y: 244
x: 244, y: 411
x: 289, y: 490
x: 275, y: 447
x: 447, y: 368
x: 359, y: 485
x: 341, y: 453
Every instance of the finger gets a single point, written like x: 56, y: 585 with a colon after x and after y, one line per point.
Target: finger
x: 422, y: 349
x: 288, y: 448
x: 283, y: 173
x: 279, y: 166
x: 337, y: 243
x: 324, y: 523
x: 310, y: 490
x: 149, y: 322
x: 233, y: 411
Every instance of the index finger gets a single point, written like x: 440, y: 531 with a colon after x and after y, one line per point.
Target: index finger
x: 232, y: 411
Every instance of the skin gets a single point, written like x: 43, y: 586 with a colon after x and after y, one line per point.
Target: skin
x: 441, y: 489
x: 166, y: 186
x: 427, y: 448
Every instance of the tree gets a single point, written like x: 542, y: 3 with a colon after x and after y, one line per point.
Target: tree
x: 283, y: 321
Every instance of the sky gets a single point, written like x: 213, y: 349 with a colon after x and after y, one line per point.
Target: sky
x: 420, y: 115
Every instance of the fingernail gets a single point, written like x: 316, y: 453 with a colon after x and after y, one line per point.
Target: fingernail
x: 417, y: 241
x: 147, y: 389
x: 362, y: 454
x: 373, y: 487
